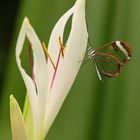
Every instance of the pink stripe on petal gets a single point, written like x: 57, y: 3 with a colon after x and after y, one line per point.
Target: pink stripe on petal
x: 31, y: 63
x: 54, y: 75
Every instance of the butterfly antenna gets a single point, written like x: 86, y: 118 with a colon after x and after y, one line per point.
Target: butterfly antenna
x: 90, y: 45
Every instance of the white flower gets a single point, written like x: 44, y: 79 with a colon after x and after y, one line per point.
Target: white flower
x: 50, y: 86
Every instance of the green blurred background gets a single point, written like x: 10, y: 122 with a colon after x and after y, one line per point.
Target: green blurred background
x: 93, y: 110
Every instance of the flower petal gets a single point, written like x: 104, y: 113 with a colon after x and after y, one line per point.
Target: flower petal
x: 17, y: 122
x: 53, y: 47
x: 37, y: 91
x: 70, y: 64
x: 58, y: 30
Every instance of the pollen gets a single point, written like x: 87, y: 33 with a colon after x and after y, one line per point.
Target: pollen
x: 47, y: 54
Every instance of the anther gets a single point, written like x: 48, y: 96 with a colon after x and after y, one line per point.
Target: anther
x: 62, y: 46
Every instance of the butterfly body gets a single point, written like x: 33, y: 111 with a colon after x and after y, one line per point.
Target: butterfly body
x: 110, y: 58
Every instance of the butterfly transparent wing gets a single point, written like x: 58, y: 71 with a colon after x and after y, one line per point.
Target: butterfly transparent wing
x: 111, y: 57
x: 107, y: 66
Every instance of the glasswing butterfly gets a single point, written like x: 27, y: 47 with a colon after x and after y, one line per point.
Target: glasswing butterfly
x: 110, y: 58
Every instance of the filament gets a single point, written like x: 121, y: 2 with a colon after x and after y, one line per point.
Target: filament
x: 47, y: 54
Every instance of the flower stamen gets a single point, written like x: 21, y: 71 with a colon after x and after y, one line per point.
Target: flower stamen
x: 62, y: 46
x: 57, y: 63
x: 31, y: 64
x: 31, y: 61
x: 47, y: 54
x: 58, y: 59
